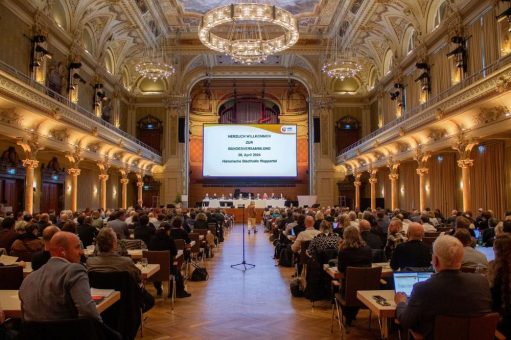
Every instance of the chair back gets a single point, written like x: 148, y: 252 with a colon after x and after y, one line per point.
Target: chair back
x: 12, y: 277
x: 480, y: 327
x: 195, y: 237
x: 446, y: 230
x: 360, y: 278
x: 201, y: 232
x: 162, y: 258
x: 428, y: 240
x: 326, y: 255
x: 134, y: 244
x: 212, y: 228
x: 468, y: 269
x: 434, y: 234
x: 76, y: 329
x: 123, y: 316
x: 180, y: 244
x: 303, y: 259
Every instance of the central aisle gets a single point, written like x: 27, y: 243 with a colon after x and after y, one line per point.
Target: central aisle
x: 241, y: 305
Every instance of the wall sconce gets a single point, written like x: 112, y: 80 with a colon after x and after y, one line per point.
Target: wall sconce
x: 74, y: 79
x: 505, y: 15
x: 459, y: 54
x: 114, y: 192
x: 95, y: 190
x: 424, y: 78
x: 402, y: 190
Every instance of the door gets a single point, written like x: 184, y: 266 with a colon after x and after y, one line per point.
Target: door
x: 50, y: 198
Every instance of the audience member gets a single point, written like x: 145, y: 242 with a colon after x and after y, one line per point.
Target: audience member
x: 326, y: 239
x: 471, y: 257
x: 7, y: 234
x: 448, y: 292
x: 108, y: 260
x: 371, y: 239
x: 86, y: 232
x: 60, y: 289
x: 40, y: 258
x: 428, y: 227
x: 143, y: 229
x: 119, y: 226
x: 307, y: 235
x: 499, y: 273
x: 412, y: 253
x: 162, y: 241
x: 27, y: 243
x: 395, y: 237
x: 353, y: 252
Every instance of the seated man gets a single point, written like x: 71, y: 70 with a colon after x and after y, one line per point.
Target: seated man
x: 109, y: 260
x: 413, y: 253
x: 371, y: 238
x: 448, y: 292
x: 471, y: 258
x: 40, y: 258
x: 428, y: 227
x: 60, y: 289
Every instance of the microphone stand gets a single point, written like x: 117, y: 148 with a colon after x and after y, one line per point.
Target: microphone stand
x: 243, y: 265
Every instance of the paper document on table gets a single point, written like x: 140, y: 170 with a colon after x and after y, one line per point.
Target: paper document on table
x: 8, y: 260
x: 101, y: 292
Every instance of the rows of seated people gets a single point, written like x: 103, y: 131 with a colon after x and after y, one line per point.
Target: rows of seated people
x: 343, y: 238
x: 54, y: 244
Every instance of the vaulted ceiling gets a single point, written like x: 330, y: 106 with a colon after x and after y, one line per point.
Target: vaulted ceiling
x: 126, y: 27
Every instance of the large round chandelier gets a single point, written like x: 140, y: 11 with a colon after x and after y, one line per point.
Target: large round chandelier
x: 341, y: 62
x: 248, y: 32
x: 154, y: 70
x: 153, y: 64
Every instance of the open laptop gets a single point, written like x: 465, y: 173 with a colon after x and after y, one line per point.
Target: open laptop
x: 404, y: 282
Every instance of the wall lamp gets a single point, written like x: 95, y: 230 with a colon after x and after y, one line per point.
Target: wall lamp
x: 459, y: 54
x: 424, y: 78
x: 505, y: 15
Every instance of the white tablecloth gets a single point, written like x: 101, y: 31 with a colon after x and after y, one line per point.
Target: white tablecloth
x: 307, y: 200
x: 275, y: 203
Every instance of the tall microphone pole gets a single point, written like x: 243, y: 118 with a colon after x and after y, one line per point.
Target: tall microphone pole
x: 243, y: 265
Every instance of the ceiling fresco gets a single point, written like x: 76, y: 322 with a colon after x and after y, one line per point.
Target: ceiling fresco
x: 294, y: 6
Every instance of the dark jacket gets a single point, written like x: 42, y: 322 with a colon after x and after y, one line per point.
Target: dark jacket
x: 144, y: 233
x: 372, y: 240
x: 450, y: 293
x: 413, y: 253
x: 178, y: 233
x: 86, y: 233
x: 40, y: 258
x: 200, y: 224
x: 7, y: 238
x: 354, y: 257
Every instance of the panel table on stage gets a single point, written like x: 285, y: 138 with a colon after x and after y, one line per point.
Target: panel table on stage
x: 259, y: 203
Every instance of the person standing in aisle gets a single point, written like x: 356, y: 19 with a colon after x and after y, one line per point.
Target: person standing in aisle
x: 251, y: 213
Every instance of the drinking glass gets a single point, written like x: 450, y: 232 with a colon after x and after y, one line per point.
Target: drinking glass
x: 144, y: 262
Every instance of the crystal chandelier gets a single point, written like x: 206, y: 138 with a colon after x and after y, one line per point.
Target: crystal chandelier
x: 153, y: 65
x: 341, y: 62
x: 248, y: 32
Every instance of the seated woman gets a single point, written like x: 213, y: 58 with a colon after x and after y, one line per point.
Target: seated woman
x: 353, y: 252
x: 201, y: 221
x: 162, y: 241
x: 27, y: 243
x: 323, y: 242
x: 499, y: 272
x: 395, y: 236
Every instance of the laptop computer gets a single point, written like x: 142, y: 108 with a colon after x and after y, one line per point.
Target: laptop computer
x: 404, y: 282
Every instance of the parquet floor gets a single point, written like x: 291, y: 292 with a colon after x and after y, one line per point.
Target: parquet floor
x: 246, y: 305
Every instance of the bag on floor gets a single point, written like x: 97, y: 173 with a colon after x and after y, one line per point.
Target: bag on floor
x: 286, y: 257
x: 296, y: 287
x: 199, y: 274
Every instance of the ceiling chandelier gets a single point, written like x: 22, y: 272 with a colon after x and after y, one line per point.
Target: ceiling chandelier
x: 341, y: 63
x: 153, y: 65
x: 248, y: 32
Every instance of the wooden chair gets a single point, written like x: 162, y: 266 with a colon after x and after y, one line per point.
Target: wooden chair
x: 134, y: 244
x: 164, y: 259
x: 428, y: 240
x: 481, y: 327
x: 434, y: 234
x: 357, y: 278
x: 12, y: 277
x: 196, y: 248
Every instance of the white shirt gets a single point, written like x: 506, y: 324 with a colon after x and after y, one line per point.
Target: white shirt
x: 306, y: 235
x: 428, y: 228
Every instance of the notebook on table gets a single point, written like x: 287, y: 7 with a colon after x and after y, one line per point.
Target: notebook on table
x: 403, y: 282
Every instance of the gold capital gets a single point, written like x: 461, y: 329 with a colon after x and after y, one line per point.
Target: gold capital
x: 30, y: 163
x: 422, y: 171
x: 124, y: 181
x: 465, y: 163
x: 74, y: 171
x: 103, y: 177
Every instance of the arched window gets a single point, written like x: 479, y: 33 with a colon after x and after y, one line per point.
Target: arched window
x: 440, y: 14
x: 126, y: 78
x: 109, y: 62
x: 149, y: 131
x: 249, y: 110
x: 409, y: 40
x: 373, y: 79
x: 388, y: 62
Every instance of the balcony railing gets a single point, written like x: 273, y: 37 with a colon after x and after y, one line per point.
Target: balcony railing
x: 416, y: 113
x: 65, y: 101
